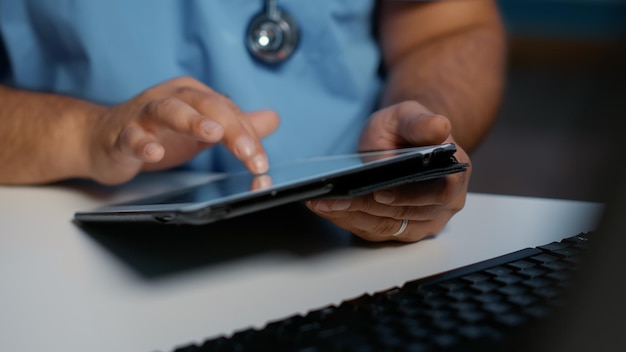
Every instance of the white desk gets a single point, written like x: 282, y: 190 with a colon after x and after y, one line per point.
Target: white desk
x: 65, y: 288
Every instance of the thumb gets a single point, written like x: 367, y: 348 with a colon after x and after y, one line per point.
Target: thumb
x: 402, y: 125
x: 264, y: 122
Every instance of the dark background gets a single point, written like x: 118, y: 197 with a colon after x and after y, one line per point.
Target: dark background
x: 565, y: 92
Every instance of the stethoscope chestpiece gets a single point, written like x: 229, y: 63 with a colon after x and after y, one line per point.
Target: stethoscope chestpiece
x: 272, y: 35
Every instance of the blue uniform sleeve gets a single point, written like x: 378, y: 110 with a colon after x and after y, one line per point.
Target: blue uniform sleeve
x: 109, y: 51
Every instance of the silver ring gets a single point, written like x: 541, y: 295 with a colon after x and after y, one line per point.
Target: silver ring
x: 403, y: 226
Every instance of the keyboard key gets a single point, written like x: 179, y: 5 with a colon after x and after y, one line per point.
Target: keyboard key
x: 436, y: 313
x: 464, y: 306
x: 547, y: 292
x: 532, y: 272
x: 445, y: 324
x: 508, y: 279
x: 522, y: 264
x: 445, y: 340
x: 475, y: 278
x: 453, y: 285
x: 415, y: 328
x: 573, y: 260
x: 553, y: 246
x: 461, y: 295
x: 511, y: 319
x: 499, y: 271
x: 487, y: 297
x: 497, y: 307
x: 544, y: 258
x: 567, y: 252
x: 522, y: 300
x: 485, y: 286
x: 437, y: 302
x: 472, y: 316
x: 536, y: 283
x: 474, y: 331
x: 555, y: 266
x: 510, y: 290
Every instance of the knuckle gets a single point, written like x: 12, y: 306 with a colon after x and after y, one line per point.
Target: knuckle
x: 435, y: 228
x: 458, y: 206
x: 364, y: 205
x: 207, y: 104
x: 386, y: 227
x: 123, y: 140
x: 425, y: 212
x: 452, y: 196
x: 159, y: 107
x: 404, y: 212
x: 211, y: 101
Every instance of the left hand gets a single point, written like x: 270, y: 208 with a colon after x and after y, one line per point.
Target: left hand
x: 427, y: 205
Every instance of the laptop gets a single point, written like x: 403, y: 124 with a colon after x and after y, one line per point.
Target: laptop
x: 234, y: 194
x: 562, y: 296
x: 594, y: 316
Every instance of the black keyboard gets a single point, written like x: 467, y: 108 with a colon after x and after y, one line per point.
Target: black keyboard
x: 463, y: 309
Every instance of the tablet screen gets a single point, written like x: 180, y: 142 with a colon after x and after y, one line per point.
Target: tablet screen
x: 280, y: 176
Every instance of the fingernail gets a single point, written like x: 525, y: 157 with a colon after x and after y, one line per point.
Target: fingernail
x: 323, y: 206
x: 259, y: 164
x: 244, y: 147
x: 151, y: 151
x: 385, y: 197
x: 261, y: 182
x: 210, y: 127
x: 341, y: 204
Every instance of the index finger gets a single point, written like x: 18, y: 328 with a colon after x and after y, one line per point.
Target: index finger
x: 239, y: 135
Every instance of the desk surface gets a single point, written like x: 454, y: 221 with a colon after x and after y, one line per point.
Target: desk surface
x: 70, y: 288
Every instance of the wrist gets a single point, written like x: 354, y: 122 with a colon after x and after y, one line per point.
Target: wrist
x: 87, y: 124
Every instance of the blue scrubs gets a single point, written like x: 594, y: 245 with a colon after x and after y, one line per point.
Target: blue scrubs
x: 109, y: 51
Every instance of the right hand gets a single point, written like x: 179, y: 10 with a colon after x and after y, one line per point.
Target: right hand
x: 169, y: 124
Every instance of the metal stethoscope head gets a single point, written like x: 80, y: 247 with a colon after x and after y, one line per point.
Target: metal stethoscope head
x: 272, y: 35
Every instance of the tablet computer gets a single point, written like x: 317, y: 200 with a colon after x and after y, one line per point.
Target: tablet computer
x: 233, y: 194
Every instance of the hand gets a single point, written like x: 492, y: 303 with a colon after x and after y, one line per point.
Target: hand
x: 427, y: 205
x: 169, y: 124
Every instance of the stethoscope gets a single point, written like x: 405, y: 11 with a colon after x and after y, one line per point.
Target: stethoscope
x: 272, y: 35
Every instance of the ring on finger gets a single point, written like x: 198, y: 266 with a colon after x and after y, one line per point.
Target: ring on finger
x: 403, y: 226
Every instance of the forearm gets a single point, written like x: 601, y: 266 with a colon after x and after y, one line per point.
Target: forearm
x: 43, y: 137
x: 457, y: 73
